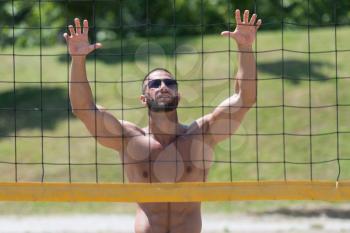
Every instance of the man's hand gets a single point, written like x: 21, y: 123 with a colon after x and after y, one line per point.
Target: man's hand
x: 78, y: 40
x: 245, y: 31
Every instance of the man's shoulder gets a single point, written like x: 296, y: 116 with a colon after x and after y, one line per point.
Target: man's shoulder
x: 132, y: 129
x: 198, y: 126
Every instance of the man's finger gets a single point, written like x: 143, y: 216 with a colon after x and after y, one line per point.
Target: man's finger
x: 71, y: 30
x: 226, y: 33
x: 238, y: 17
x: 77, y: 26
x: 258, y: 23
x: 98, y: 45
x: 94, y: 46
x: 252, y: 20
x: 86, y: 27
x: 246, y: 16
x: 65, y: 35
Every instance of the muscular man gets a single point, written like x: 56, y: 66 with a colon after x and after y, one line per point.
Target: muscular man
x: 166, y: 150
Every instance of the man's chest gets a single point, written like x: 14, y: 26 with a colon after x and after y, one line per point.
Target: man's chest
x: 183, y: 160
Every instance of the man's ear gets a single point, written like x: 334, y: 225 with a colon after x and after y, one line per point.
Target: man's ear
x: 143, y: 100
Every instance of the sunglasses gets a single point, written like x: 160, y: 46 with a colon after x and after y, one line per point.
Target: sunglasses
x: 155, y: 83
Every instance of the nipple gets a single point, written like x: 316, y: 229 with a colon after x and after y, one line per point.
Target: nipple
x: 145, y: 174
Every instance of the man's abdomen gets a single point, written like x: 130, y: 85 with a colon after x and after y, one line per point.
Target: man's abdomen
x: 185, y: 217
x: 168, y: 218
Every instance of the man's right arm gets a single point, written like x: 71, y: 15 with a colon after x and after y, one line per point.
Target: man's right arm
x: 102, y: 125
x: 107, y: 130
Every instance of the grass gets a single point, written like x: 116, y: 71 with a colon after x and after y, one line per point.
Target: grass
x: 120, y: 87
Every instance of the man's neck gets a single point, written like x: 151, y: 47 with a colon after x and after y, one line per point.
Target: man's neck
x: 164, y: 126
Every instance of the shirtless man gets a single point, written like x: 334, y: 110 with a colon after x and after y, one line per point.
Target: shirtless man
x: 165, y: 151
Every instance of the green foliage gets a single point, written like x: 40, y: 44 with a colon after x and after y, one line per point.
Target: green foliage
x: 28, y: 23
x: 114, y: 19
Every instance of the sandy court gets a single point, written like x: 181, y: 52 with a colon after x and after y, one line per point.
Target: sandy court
x: 211, y: 224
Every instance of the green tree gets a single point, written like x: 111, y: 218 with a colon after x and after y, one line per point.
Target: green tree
x: 112, y: 19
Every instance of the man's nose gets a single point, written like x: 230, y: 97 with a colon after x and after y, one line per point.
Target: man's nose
x: 163, y: 86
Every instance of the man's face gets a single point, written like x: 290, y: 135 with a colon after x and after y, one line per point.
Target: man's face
x: 160, y: 92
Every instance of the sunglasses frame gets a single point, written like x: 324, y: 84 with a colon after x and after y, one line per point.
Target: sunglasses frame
x: 172, y: 85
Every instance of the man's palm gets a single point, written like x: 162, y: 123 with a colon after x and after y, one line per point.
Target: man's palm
x: 78, y: 41
x: 245, y: 31
x: 244, y: 34
x: 79, y: 45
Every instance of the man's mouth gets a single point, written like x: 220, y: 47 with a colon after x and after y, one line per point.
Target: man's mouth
x: 164, y: 96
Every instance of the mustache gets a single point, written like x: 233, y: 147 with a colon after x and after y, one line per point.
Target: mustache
x: 154, y: 106
x: 168, y: 96
x: 163, y: 93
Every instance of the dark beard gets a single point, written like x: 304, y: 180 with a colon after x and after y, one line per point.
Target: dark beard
x: 155, y: 107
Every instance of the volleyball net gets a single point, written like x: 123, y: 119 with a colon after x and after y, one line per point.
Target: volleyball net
x: 292, y: 144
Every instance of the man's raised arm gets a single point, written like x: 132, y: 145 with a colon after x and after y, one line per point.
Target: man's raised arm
x: 226, y: 118
x: 103, y: 126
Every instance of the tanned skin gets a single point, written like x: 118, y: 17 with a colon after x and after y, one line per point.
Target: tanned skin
x: 166, y: 150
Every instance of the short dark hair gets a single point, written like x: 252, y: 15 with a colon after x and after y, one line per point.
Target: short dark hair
x: 149, y: 73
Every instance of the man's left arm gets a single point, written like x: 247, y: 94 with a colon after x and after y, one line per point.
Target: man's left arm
x: 226, y: 118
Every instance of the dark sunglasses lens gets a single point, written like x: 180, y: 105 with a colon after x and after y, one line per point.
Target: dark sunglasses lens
x: 155, y: 83
x: 170, y: 82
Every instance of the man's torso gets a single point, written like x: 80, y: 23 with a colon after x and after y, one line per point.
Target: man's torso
x: 185, y: 159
